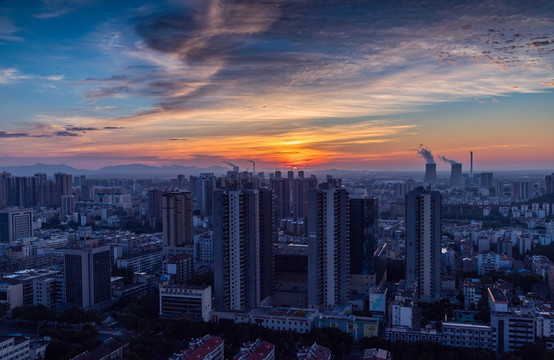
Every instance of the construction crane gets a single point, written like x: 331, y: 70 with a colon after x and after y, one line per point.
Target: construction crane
x: 253, y: 166
x: 235, y: 167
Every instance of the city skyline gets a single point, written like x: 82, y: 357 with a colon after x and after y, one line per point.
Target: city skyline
x: 313, y: 85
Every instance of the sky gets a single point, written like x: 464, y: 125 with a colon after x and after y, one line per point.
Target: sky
x: 308, y: 84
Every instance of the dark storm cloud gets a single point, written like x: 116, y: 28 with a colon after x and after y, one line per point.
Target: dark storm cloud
x: 65, y: 133
x: 6, y: 135
x: 81, y: 129
x: 62, y: 133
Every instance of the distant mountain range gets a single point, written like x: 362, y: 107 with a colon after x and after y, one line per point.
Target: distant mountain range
x: 131, y: 170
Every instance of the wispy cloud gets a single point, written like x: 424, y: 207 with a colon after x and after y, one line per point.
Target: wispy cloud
x: 56, y: 77
x: 11, y: 75
x: 57, y: 8
x: 8, y: 30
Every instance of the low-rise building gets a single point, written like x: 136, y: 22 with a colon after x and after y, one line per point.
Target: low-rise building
x: 473, y: 291
x: 27, y: 277
x: 209, y: 347
x: 410, y: 335
x: 49, y: 292
x: 184, y: 301
x: 376, y: 354
x: 110, y: 349
x: 280, y: 319
x: 180, y: 267
x: 512, y: 330
x: 402, y: 313
x: 14, y: 348
x: 356, y: 326
x: 378, y: 300
x: 257, y: 350
x: 148, y: 261
x: 468, y: 335
x: 314, y: 352
x: 11, y: 292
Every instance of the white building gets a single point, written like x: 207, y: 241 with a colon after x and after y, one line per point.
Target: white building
x: 487, y: 261
x: 49, y: 292
x: 14, y: 348
x: 525, y: 244
x: 281, y: 319
x: 183, y: 301
x: 148, y: 261
x: 468, y: 335
x: 402, y: 313
x: 473, y: 291
x: 204, y: 247
x: 11, y: 292
x: 378, y: 300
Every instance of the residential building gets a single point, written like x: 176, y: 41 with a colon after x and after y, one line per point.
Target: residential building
x: 209, y: 347
x: 468, y: 336
x: 202, y: 188
x: 11, y: 292
x: 110, y: 349
x: 244, y: 234
x: 14, y: 348
x: 314, y: 352
x: 50, y: 292
x: 363, y: 232
x: 15, y: 223
x: 423, y: 246
x: 87, y: 272
x: 180, y: 267
x: 328, y: 246
x: 146, y: 261
x: 356, y: 326
x: 257, y: 350
x: 177, y: 219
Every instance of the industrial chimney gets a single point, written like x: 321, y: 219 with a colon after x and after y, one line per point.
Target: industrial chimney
x: 430, y: 174
x: 456, y: 178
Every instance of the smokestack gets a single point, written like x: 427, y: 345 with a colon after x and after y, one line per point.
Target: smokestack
x: 430, y: 174
x: 471, y: 168
x: 456, y: 178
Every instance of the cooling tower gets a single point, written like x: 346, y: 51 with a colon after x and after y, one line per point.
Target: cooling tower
x: 456, y: 178
x: 430, y: 174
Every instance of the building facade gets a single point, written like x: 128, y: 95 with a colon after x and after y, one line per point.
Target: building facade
x: 423, y: 242
x: 328, y: 246
x: 177, y: 219
x: 244, y: 234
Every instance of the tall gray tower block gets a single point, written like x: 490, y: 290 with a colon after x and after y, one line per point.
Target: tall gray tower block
x: 328, y: 247
x: 423, y: 242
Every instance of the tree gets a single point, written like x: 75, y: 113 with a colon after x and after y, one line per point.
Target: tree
x: 127, y: 273
x: 206, y: 278
x: 33, y: 313
x: 57, y: 350
x: 4, y: 310
x: 484, y: 314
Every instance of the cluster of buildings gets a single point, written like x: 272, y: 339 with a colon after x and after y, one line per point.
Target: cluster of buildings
x: 287, y: 253
x: 210, y: 347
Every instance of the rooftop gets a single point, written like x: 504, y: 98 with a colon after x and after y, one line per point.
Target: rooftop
x: 497, y: 296
x: 101, y: 351
x: 256, y: 351
x: 209, y: 345
x: 288, y: 312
